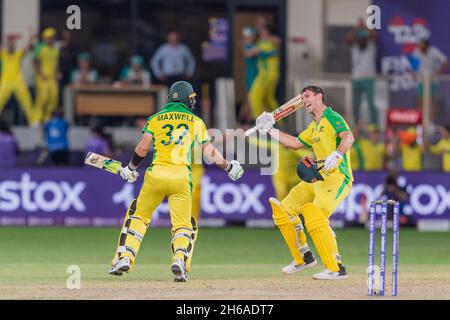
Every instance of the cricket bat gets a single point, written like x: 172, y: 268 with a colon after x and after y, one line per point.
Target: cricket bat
x: 282, y: 112
x: 102, y: 162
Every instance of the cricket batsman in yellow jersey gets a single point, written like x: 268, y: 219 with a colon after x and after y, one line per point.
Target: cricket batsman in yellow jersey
x: 173, y: 132
x: 331, y: 139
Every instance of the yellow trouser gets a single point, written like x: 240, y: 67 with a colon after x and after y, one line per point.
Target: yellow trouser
x: 46, y: 98
x: 262, y: 94
x: 316, y: 202
x: 160, y: 182
x: 20, y: 90
x: 197, y: 173
x: 283, y: 183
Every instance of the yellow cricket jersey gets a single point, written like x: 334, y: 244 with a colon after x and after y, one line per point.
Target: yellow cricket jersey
x: 175, y: 130
x: 48, y: 58
x: 323, y: 137
x: 411, y: 157
x: 268, y: 58
x: 443, y: 147
x: 373, y: 155
x: 11, y: 65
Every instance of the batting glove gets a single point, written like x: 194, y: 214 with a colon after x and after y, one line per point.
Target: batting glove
x: 128, y: 174
x: 265, y: 121
x: 234, y: 170
x: 332, y: 160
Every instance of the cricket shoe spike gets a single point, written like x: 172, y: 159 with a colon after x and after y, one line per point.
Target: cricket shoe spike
x: 330, y: 275
x: 120, y: 266
x: 293, y: 267
x: 179, y: 270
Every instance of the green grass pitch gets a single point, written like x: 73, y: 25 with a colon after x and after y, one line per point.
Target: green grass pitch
x: 228, y: 263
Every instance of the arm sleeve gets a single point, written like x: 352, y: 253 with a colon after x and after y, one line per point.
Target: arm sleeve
x: 337, y: 122
x: 147, y: 128
x: 201, y: 133
x: 155, y: 62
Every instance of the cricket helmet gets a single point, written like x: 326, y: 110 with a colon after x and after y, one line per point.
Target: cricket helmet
x: 182, y: 91
x: 307, y: 170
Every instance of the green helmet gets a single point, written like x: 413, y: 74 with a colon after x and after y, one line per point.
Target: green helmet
x: 307, y: 170
x: 182, y: 91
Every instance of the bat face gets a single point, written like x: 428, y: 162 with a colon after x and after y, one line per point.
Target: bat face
x: 288, y: 108
x: 102, y: 162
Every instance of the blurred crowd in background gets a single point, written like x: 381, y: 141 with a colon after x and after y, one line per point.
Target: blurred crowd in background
x: 58, y: 62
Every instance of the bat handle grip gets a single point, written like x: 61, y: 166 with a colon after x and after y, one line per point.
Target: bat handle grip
x: 253, y: 130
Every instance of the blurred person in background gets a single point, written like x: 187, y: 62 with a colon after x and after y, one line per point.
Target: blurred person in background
x: 250, y: 52
x: 373, y: 150
x: 55, y: 131
x: 262, y: 95
x: 46, y: 59
x: 173, y: 61
x: 442, y: 147
x: 8, y: 146
x: 12, y: 81
x: 106, y: 55
x: 98, y: 142
x: 363, y: 55
x: 135, y: 74
x: 356, y: 152
x: 392, y: 191
x: 84, y: 74
x: 431, y: 63
x: 410, y: 150
x: 67, y: 58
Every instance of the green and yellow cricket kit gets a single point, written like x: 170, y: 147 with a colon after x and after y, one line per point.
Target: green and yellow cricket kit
x: 262, y: 94
x: 317, y: 201
x: 12, y: 82
x: 175, y: 130
x: 443, y: 147
x: 47, y: 89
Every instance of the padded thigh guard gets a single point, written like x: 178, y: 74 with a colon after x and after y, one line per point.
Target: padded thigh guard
x: 132, y: 234
x: 323, y: 237
x: 291, y: 228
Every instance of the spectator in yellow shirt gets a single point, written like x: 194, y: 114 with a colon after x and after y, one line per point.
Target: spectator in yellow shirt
x: 356, y: 153
x: 373, y: 150
x: 411, y: 151
x: 443, y: 147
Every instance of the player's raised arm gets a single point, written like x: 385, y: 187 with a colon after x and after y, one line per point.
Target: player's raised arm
x: 233, y: 168
x: 129, y: 173
x: 286, y: 139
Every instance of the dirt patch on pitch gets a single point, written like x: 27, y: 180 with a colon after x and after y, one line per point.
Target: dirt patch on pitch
x: 296, y: 287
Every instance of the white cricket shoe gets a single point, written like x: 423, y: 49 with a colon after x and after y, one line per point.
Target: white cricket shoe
x: 293, y: 267
x: 330, y: 275
x: 179, y: 270
x: 120, y: 266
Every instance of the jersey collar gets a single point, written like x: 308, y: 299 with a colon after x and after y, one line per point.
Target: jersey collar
x: 177, y: 105
x: 326, y: 112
